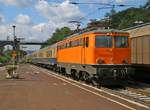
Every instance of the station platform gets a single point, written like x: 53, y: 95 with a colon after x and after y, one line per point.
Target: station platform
x: 38, y: 89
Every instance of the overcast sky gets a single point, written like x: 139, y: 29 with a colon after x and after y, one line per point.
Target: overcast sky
x: 36, y: 20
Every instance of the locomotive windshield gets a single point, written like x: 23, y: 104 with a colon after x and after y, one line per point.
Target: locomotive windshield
x: 121, y: 41
x: 103, y: 41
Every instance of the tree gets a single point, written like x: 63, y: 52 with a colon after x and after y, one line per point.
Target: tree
x: 1, y: 51
x: 147, y: 5
x: 128, y: 18
x: 58, y: 35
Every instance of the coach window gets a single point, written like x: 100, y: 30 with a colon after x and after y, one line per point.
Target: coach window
x: 50, y: 53
x: 78, y: 42
x: 53, y: 51
x: 47, y: 54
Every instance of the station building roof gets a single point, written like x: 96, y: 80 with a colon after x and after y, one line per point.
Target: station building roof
x: 139, y: 30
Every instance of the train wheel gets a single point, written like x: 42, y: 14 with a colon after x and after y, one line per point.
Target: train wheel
x: 85, y: 76
x: 58, y: 70
x: 63, y: 71
x: 72, y: 74
x: 75, y: 75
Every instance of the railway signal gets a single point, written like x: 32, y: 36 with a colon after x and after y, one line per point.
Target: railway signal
x: 14, y: 54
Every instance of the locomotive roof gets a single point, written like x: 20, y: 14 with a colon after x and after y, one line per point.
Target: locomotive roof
x: 107, y: 30
x: 99, y: 30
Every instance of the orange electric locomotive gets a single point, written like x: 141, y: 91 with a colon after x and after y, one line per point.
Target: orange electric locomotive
x: 98, y: 56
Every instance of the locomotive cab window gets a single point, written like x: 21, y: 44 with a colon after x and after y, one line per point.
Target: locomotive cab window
x: 103, y: 41
x: 121, y: 41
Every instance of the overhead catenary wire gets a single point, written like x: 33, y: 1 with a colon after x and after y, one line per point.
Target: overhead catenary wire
x: 105, y: 6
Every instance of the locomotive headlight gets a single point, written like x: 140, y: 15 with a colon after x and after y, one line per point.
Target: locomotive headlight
x: 125, y: 61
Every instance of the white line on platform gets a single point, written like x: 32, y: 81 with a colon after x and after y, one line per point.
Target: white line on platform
x: 65, y: 80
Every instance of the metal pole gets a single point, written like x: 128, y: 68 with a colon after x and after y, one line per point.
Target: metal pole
x: 14, y: 45
x: 14, y: 31
x: 7, y: 40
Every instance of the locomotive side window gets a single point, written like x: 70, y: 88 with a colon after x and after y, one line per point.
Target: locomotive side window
x: 87, y: 42
x: 68, y: 44
x: 103, y: 41
x: 81, y: 42
x: 121, y: 41
x: 74, y: 43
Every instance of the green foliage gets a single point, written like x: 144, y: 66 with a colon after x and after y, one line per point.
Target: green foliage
x: 127, y: 18
x: 6, y: 57
x: 131, y: 17
x: 58, y: 35
x: 147, y: 5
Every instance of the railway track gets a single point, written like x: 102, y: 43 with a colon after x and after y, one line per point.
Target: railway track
x: 136, y: 94
x: 139, y: 90
x: 136, y: 91
x: 145, y: 92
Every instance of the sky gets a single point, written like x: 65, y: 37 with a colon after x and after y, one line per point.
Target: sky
x: 36, y: 20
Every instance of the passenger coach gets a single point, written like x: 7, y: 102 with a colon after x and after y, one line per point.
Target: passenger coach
x: 45, y: 57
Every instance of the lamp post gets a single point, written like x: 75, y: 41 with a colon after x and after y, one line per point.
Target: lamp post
x: 15, y: 46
